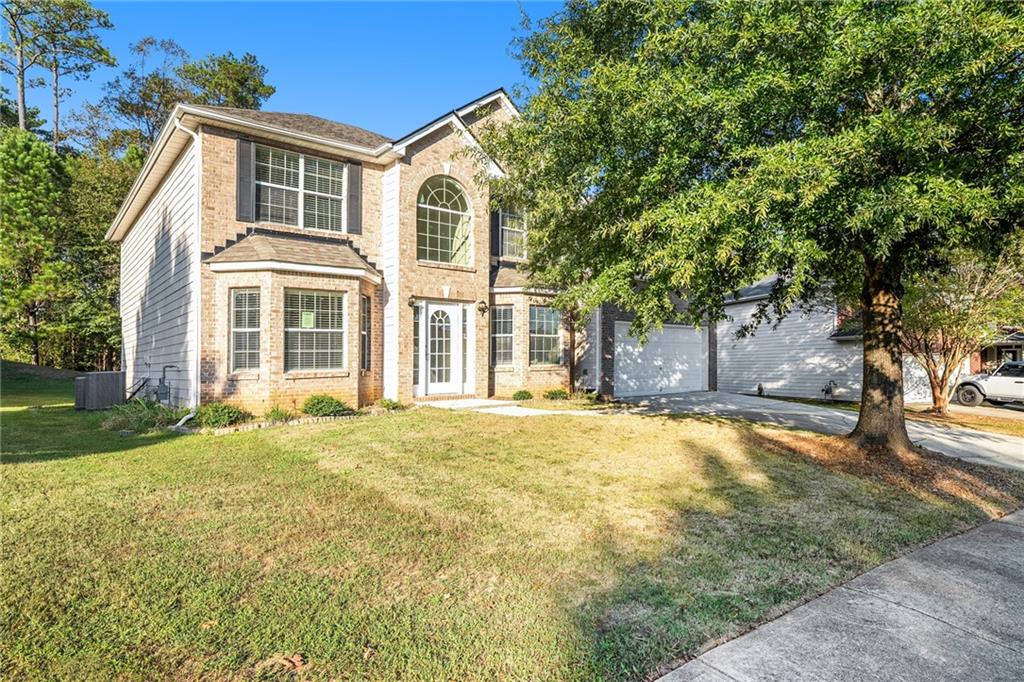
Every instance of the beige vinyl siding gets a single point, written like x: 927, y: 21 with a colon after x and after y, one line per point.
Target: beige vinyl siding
x: 797, y: 358
x: 157, y: 266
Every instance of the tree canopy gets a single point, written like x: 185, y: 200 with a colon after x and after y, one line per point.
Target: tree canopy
x: 139, y: 100
x: 60, y: 278
x: 692, y: 149
x: 31, y: 207
x: 950, y: 314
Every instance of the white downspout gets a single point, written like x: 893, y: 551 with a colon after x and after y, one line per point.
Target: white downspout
x: 196, y: 274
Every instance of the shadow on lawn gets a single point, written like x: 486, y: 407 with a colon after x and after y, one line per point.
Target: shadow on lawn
x: 768, y: 538
x: 48, y: 433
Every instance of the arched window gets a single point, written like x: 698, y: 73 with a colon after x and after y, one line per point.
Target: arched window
x: 443, y: 222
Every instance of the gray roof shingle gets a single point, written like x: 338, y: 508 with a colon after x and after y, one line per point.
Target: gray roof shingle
x: 289, y: 248
x: 503, y: 276
x: 304, y: 123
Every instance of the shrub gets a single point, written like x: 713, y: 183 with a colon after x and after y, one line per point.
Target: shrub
x: 522, y: 394
x: 141, y: 415
x: 277, y: 415
x: 389, y: 404
x: 216, y: 415
x: 557, y: 394
x: 324, y: 406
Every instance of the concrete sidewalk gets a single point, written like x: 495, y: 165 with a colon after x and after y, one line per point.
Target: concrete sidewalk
x: 953, y: 610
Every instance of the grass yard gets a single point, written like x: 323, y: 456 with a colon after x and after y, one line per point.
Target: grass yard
x: 432, y: 544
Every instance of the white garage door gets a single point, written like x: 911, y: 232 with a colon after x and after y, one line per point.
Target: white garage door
x: 671, y: 362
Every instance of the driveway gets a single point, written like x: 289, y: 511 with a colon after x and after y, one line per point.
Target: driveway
x: 953, y: 610
x: 974, y: 446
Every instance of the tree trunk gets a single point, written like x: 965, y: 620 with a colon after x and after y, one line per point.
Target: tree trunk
x: 20, y: 80
x: 940, y: 397
x: 881, y: 424
x: 55, y: 71
x: 33, y: 325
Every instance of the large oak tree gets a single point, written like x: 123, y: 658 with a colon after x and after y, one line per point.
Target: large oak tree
x: 692, y: 148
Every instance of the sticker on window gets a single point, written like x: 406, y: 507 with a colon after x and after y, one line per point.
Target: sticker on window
x: 308, y: 320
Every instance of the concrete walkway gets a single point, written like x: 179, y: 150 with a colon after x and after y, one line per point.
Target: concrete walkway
x: 506, y: 408
x: 951, y: 611
x: 968, y: 444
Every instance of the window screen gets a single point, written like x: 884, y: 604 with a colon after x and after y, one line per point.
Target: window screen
x: 512, y: 235
x: 501, y: 335
x: 286, y: 181
x: 545, y: 338
x: 245, y: 329
x: 314, y: 334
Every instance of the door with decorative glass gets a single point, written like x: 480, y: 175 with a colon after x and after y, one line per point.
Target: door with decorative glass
x: 444, y: 350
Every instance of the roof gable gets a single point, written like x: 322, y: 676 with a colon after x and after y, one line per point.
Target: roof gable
x: 303, y: 129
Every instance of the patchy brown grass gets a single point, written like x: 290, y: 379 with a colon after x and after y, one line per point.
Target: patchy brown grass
x: 926, y: 474
x: 430, y: 544
x: 1009, y: 425
x: 980, y: 422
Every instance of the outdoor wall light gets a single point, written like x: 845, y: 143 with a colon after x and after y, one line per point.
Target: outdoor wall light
x: 412, y: 301
x: 482, y: 307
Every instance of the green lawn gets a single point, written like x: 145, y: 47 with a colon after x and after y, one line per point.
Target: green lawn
x: 428, y: 544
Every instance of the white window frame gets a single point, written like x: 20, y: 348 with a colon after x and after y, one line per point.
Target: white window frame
x: 557, y: 335
x: 511, y: 336
x: 301, y: 189
x: 503, y: 229
x: 344, y: 331
x: 247, y: 330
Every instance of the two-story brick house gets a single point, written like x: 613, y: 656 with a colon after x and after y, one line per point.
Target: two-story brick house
x: 266, y: 257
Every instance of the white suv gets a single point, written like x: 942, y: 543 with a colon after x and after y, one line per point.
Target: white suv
x: 1005, y: 385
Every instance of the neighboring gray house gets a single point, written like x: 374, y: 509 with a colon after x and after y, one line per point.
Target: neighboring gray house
x: 799, y: 356
x: 795, y: 358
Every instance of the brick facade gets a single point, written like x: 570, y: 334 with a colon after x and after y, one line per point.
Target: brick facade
x: 440, y: 153
x: 506, y: 380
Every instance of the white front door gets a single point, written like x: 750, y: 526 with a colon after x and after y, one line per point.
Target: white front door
x: 445, y: 351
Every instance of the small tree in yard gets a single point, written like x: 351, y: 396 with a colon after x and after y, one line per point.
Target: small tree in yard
x: 950, y: 315
x: 674, y: 149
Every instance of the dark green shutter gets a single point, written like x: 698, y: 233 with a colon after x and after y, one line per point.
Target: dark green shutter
x: 355, y: 198
x: 245, y: 192
x: 495, y: 235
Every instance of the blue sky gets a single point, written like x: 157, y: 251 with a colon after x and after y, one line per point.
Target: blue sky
x: 389, y: 67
